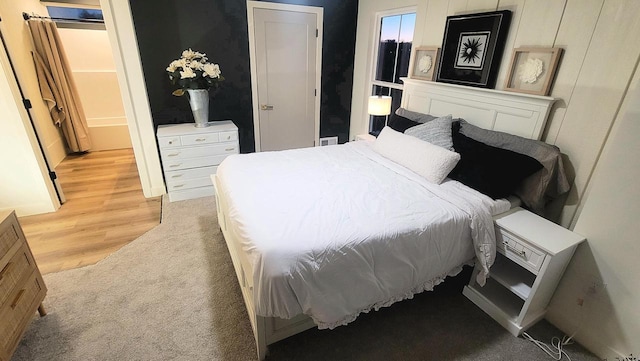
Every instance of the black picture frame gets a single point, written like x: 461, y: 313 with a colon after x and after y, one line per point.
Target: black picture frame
x: 472, y: 48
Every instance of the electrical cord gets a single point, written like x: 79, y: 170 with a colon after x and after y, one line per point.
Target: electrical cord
x: 555, y: 350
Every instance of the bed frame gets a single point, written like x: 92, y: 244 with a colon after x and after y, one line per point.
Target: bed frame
x: 521, y: 114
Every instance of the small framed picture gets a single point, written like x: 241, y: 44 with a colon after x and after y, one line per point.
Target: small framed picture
x: 423, y: 62
x: 532, y: 70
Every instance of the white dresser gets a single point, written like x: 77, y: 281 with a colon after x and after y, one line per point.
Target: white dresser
x: 190, y: 155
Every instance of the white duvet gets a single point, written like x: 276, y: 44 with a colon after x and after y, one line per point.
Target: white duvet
x: 335, y: 231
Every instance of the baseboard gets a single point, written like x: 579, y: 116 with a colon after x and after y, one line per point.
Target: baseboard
x: 108, y: 137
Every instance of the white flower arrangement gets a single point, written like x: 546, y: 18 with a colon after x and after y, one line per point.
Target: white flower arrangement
x: 530, y: 70
x: 193, y: 71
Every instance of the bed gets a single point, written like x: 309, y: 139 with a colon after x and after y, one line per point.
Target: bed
x: 319, y: 235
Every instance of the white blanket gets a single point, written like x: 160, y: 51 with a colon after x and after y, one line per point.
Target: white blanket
x: 335, y: 231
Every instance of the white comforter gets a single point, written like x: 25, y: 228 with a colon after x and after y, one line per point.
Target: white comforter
x: 335, y: 231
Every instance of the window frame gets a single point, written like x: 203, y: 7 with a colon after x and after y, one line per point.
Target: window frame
x: 375, y: 49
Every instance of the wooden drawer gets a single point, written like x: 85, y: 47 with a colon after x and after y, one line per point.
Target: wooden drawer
x: 18, y: 267
x: 8, y: 234
x: 198, y: 139
x: 169, y: 142
x: 193, y: 152
x: 178, y: 164
x: 519, y: 251
x: 187, y: 174
x: 18, y: 311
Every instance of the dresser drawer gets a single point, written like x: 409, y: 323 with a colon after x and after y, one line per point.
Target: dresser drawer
x: 519, y: 251
x: 193, y: 152
x: 228, y: 136
x: 178, y: 164
x: 18, y: 267
x: 18, y: 310
x: 186, y: 174
x: 169, y: 142
x: 188, y: 184
x: 197, y: 139
x: 8, y: 235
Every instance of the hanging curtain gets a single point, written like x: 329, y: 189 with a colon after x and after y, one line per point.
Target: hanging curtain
x: 57, y: 86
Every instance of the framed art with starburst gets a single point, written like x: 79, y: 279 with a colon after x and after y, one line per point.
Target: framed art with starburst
x: 472, y: 48
x: 532, y: 70
x: 424, y: 60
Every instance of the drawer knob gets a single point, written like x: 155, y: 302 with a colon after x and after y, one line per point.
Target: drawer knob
x: 176, y: 176
x: 173, y: 154
x: 175, y: 165
x: 14, y: 304
x: 201, y: 139
x: 171, y: 142
x: 178, y: 186
x: 229, y: 149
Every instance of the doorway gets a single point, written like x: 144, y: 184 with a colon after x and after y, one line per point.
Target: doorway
x: 285, y: 47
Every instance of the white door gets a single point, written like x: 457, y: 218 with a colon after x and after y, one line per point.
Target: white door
x: 286, y: 62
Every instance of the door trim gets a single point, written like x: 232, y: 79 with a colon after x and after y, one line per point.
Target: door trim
x: 251, y: 5
x: 126, y: 55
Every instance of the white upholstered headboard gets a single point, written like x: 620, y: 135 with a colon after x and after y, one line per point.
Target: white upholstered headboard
x: 515, y: 113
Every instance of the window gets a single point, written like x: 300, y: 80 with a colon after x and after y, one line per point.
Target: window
x: 78, y: 18
x: 393, y: 50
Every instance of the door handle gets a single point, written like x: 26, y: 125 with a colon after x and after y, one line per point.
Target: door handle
x: 266, y: 107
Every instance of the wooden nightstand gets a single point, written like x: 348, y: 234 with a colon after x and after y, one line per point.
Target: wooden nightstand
x: 532, y: 254
x: 22, y: 289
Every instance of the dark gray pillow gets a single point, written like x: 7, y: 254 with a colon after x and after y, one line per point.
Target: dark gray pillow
x: 436, y: 131
x: 548, y: 183
x: 415, y: 116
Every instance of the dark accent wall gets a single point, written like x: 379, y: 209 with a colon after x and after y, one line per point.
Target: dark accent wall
x: 164, y: 28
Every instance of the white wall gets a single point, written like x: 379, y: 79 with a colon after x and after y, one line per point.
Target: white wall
x: 610, y: 320
x: 91, y: 61
x: 18, y: 40
x: 23, y: 186
x: 591, y: 84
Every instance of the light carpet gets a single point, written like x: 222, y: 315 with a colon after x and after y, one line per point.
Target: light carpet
x: 172, y: 294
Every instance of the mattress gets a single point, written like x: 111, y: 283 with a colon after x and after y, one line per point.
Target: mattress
x: 331, y: 232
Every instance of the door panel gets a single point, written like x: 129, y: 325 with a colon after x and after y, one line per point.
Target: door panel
x: 285, y: 44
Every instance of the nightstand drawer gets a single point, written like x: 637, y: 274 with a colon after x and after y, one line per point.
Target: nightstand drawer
x: 197, y: 139
x: 18, y: 310
x: 8, y: 236
x: 518, y: 251
x: 18, y: 267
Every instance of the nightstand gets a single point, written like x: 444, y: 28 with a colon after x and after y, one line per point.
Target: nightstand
x: 367, y: 137
x: 532, y: 254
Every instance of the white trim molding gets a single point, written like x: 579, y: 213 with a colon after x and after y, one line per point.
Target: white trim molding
x: 122, y: 36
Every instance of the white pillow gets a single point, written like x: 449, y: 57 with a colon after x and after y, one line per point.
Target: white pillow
x: 430, y: 161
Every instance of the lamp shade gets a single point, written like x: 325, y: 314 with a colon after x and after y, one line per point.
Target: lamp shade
x: 380, y: 105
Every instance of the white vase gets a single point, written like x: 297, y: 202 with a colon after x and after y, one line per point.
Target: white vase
x: 199, y: 101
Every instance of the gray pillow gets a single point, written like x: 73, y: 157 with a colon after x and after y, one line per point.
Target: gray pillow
x: 415, y: 116
x: 437, y: 132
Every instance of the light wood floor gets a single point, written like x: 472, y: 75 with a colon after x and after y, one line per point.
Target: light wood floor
x: 105, y: 210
